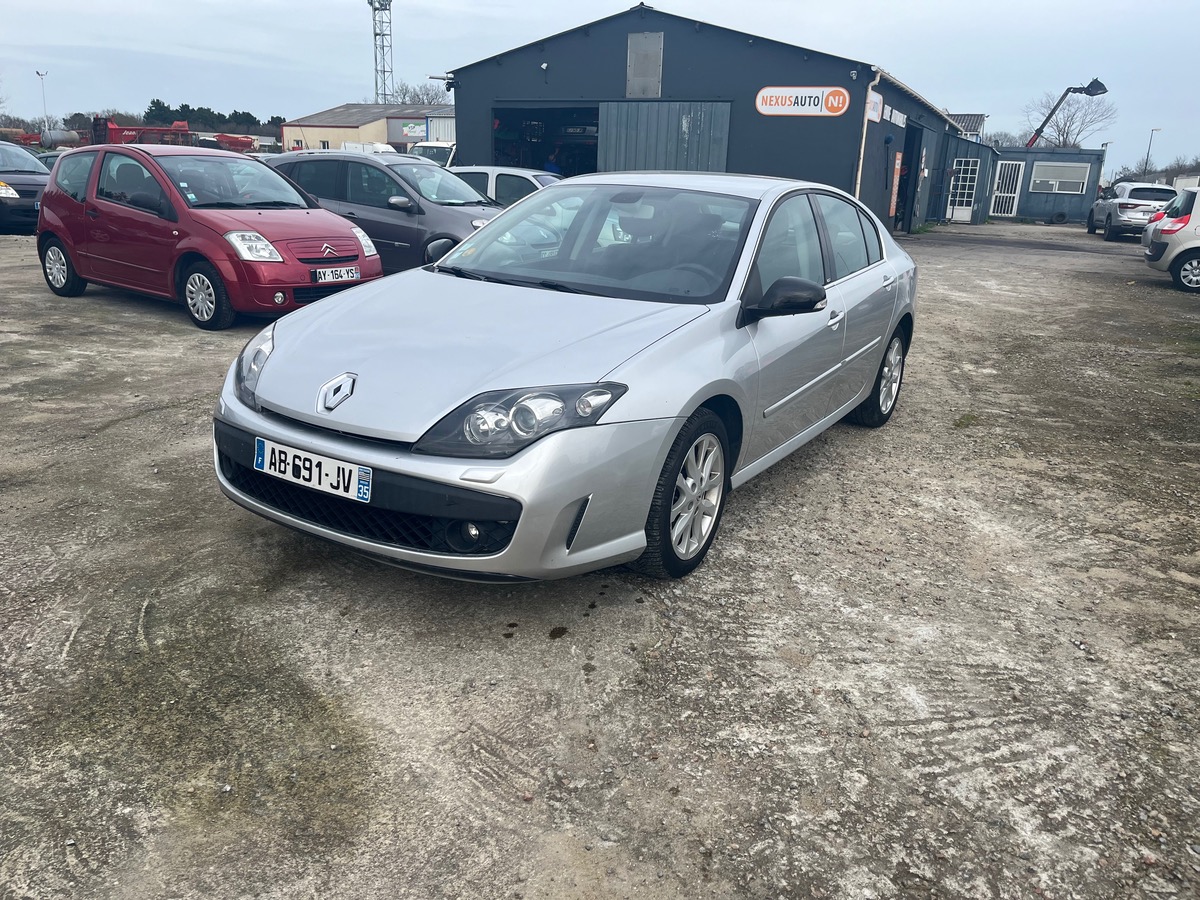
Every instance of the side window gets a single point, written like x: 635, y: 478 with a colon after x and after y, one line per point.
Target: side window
x: 511, y: 188
x: 874, y: 250
x: 318, y: 177
x: 790, y: 245
x: 477, y: 180
x: 126, y: 181
x: 369, y: 186
x: 845, y: 233
x: 73, y: 173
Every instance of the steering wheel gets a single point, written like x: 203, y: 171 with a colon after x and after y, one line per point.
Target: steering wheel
x: 697, y: 269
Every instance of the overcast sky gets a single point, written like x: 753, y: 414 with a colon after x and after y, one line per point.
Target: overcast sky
x: 294, y: 57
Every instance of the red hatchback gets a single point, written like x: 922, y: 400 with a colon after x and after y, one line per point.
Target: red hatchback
x: 220, y: 231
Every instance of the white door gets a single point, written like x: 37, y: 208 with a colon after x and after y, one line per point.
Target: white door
x: 1008, y: 185
x: 962, y: 190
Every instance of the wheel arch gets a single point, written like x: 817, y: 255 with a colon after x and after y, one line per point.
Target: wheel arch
x: 730, y: 414
x: 185, y: 261
x: 906, y: 330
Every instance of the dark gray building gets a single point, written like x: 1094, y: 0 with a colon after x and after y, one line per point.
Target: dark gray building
x: 644, y: 89
x: 1046, y: 184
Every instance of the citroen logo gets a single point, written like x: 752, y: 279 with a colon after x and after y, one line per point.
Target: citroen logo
x: 328, y: 250
x: 333, y: 392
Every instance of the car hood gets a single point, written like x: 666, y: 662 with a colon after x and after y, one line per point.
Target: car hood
x: 422, y: 343
x: 25, y: 179
x: 275, y: 224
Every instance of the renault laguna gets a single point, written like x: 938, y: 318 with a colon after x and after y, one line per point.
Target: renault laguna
x: 579, y: 384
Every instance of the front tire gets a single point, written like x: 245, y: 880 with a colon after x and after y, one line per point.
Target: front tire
x: 59, y: 271
x: 1110, y: 233
x: 1091, y: 223
x: 688, y: 500
x: 1185, y: 271
x: 875, y: 411
x: 205, y: 297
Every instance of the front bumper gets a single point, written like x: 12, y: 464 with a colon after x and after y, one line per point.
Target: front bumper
x: 19, y: 213
x: 572, y: 502
x: 252, y: 286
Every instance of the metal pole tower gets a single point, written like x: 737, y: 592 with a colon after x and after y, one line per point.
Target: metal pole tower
x: 381, y: 16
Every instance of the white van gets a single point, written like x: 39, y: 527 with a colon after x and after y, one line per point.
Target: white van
x: 367, y: 147
x: 441, y: 152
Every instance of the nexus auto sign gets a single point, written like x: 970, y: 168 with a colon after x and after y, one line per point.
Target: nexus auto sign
x: 802, y: 101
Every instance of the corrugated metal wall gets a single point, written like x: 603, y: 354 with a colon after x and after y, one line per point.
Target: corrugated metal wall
x: 681, y: 136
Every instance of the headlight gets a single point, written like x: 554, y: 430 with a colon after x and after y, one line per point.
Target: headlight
x: 8, y: 193
x: 253, y: 247
x: 500, y: 423
x: 368, y: 247
x: 250, y: 364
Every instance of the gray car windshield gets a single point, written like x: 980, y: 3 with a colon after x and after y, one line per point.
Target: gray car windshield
x: 14, y: 159
x: 229, y: 182
x: 640, y: 243
x: 438, y: 185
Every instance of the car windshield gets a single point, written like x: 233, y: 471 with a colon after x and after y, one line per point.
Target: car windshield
x: 1155, y: 194
x: 641, y: 243
x: 440, y: 155
x: 229, y: 182
x: 15, y: 159
x: 438, y: 185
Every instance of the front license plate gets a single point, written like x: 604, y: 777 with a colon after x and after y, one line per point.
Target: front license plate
x: 322, y: 473
x: 345, y: 273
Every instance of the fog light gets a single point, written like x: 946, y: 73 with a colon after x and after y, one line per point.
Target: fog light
x: 463, y: 537
x: 279, y: 298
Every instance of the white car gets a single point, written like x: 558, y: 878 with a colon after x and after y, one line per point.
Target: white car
x: 1126, y: 208
x: 505, y: 184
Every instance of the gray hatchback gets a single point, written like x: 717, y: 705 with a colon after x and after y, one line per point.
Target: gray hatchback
x: 412, y: 209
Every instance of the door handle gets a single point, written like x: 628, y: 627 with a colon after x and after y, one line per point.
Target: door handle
x: 888, y: 281
x: 835, y: 317
x: 350, y: 215
x: 93, y: 213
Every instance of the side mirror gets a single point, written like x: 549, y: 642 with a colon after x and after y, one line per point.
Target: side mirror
x: 439, y: 248
x: 398, y: 202
x: 788, y: 296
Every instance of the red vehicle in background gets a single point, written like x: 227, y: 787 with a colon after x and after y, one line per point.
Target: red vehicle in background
x: 222, y: 232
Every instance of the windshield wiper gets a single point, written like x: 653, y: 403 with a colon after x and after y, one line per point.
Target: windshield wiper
x: 24, y: 171
x: 565, y: 288
x: 460, y: 272
x: 275, y: 204
x: 219, y: 204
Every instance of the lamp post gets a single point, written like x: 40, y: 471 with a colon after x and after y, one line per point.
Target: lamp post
x: 1146, y: 162
x: 1093, y: 88
x: 45, y: 115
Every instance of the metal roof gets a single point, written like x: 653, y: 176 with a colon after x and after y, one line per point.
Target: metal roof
x: 358, y: 114
x: 971, y: 123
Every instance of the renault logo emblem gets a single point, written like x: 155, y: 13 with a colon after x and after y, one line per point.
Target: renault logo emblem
x: 328, y: 250
x: 333, y: 392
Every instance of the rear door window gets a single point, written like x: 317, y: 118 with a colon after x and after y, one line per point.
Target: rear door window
x: 511, y: 188
x: 318, y: 177
x: 845, y: 232
x: 73, y: 174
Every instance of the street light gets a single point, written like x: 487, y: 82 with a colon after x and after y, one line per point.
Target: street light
x: 1093, y: 88
x: 45, y: 115
x: 1146, y: 162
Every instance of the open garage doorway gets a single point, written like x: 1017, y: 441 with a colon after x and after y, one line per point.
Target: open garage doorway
x: 528, y: 138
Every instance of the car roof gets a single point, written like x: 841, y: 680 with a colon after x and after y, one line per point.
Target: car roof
x: 753, y: 187
x: 356, y: 154
x: 511, y: 170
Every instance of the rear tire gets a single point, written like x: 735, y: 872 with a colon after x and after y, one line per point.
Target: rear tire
x: 1091, y: 224
x: 875, y: 411
x: 59, y: 271
x: 1110, y: 233
x: 1185, y: 271
x: 688, y: 500
x: 205, y: 297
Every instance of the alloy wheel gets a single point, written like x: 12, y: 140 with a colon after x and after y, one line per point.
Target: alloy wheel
x: 1189, y: 274
x: 889, y: 378
x: 697, y: 499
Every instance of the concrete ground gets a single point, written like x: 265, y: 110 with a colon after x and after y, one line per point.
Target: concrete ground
x: 956, y: 657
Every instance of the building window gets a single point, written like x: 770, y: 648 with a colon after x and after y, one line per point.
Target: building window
x: 297, y: 144
x: 324, y: 145
x: 1059, y: 178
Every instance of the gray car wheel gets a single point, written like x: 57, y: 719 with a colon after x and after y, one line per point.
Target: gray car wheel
x: 58, y: 270
x: 688, y: 500
x: 885, y: 393
x: 1110, y: 233
x: 1091, y: 223
x: 1185, y: 271
x: 205, y: 297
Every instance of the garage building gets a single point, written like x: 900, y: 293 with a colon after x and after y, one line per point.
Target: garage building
x: 645, y: 89
x: 399, y: 126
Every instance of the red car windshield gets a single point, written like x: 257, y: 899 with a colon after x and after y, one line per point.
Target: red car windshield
x: 227, y: 182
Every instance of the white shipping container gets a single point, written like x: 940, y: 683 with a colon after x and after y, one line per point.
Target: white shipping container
x: 440, y: 128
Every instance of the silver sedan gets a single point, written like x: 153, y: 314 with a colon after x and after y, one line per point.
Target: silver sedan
x: 579, y: 384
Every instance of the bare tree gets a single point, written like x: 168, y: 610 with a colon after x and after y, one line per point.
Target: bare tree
x: 1002, y: 139
x: 429, y: 93
x: 1077, y: 119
